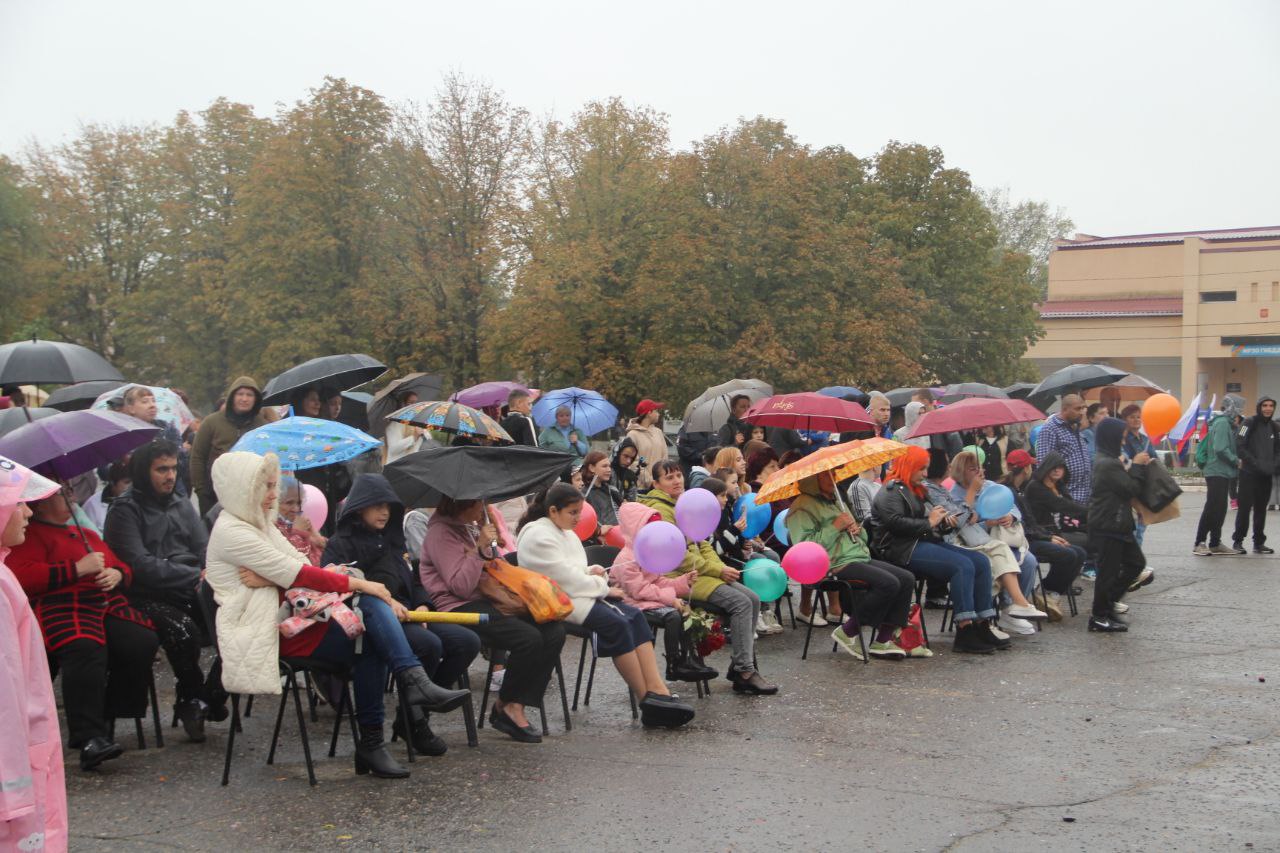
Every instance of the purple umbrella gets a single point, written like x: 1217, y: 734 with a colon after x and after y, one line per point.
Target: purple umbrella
x: 68, y: 444
x: 487, y: 394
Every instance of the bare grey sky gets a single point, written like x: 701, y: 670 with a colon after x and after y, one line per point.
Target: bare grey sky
x: 1133, y: 116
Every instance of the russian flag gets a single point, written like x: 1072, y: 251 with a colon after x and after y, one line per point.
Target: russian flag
x: 1186, y: 424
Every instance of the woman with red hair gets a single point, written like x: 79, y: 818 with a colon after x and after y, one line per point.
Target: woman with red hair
x: 910, y: 534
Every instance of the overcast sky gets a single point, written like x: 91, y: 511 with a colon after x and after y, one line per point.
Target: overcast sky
x: 1133, y: 117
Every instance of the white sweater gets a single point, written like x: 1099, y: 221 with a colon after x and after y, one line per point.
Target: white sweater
x: 546, y: 549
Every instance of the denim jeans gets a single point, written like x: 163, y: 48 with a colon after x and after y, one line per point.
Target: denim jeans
x: 384, y: 648
x: 968, y: 573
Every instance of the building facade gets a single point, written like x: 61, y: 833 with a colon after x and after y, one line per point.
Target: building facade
x: 1191, y: 311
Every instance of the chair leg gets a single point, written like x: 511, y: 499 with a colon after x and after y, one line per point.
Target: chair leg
x: 302, y: 733
x: 313, y: 695
x: 591, y: 676
x: 808, y: 633
x: 484, y: 698
x: 155, y: 714
x: 469, y: 713
x: 248, y: 706
x: 142, y: 738
x: 231, y: 737
x: 564, y: 697
x: 337, y: 720
x: 577, y: 683
x: 791, y: 609
x: 635, y: 710
x: 924, y: 630
x: 407, y: 714
x: 542, y: 712
x: 290, y: 683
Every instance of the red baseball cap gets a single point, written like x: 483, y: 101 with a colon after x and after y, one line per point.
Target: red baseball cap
x: 1020, y: 459
x: 646, y: 406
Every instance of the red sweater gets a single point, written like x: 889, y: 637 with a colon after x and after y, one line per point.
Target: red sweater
x: 310, y: 577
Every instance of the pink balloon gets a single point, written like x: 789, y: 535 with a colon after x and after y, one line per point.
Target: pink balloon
x: 806, y: 562
x: 660, y: 547
x: 314, y: 505
x: 697, y: 514
x: 948, y: 483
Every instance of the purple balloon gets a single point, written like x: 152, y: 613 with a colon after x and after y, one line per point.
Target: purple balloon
x: 660, y: 547
x: 697, y: 514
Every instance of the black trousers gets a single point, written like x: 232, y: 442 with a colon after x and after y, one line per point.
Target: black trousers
x: 672, y: 625
x: 1255, y: 491
x: 1064, y: 562
x: 887, y: 600
x: 1214, y: 514
x: 445, y: 650
x: 1119, y: 564
x: 181, y: 638
x: 532, y: 651
x: 101, y: 682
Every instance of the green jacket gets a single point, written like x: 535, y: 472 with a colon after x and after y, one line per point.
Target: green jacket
x: 1223, y: 460
x: 700, y: 557
x: 811, y: 518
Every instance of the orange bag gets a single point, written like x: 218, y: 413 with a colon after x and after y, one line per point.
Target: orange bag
x: 543, y: 597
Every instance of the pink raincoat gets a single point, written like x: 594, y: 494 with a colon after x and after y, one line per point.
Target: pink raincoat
x: 642, y: 589
x: 33, y: 794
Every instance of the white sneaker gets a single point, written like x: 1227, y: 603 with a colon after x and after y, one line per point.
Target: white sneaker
x: 495, y: 680
x: 995, y: 629
x: 813, y: 619
x: 771, y: 622
x: 1025, y: 611
x: 1017, y: 626
x: 849, y: 644
x: 1120, y: 607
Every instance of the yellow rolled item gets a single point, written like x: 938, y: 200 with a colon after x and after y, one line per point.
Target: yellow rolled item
x: 450, y: 618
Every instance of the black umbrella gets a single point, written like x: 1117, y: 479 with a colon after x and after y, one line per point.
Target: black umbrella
x: 329, y: 374
x: 1072, y: 379
x: 82, y: 395
x: 473, y: 473
x: 902, y: 396
x: 428, y: 386
x: 39, y: 362
x: 11, y: 419
x: 963, y: 390
x: 1019, y: 390
x: 355, y: 408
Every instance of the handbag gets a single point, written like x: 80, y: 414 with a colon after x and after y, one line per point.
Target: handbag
x: 911, y: 636
x: 539, y: 596
x: 1014, y: 535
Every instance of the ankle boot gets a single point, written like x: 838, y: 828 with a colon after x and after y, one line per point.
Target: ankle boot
x: 425, y: 741
x: 418, y: 689
x: 372, y: 756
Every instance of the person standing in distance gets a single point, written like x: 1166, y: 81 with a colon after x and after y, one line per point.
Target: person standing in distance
x: 1258, y: 445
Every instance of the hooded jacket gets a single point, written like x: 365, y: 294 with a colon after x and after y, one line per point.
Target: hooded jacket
x: 699, y: 557
x: 246, y: 535
x: 161, y: 537
x: 642, y: 589
x: 217, y: 433
x: 625, y: 479
x: 1224, y: 459
x: 1047, y: 507
x: 727, y: 435
x: 1114, y: 487
x: 546, y: 549
x: 910, y: 414
x: 811, y: 518
x: 1258, y: 443
x: 651, y: 442
x: 379, y: 554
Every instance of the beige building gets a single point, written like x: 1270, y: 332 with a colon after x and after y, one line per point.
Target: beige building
x: 1191, y: 311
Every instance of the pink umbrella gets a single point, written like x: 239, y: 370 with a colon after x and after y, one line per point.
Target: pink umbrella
x: 809, y: 411
x: 976, y: 413
x: 487, y: 394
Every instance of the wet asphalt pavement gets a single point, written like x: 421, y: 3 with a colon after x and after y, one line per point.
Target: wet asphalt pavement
x: 1161, y: 739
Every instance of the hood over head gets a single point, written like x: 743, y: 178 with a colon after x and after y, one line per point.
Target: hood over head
x: 1258, y: 408
x: 1233, y: 406
x: 809, y: 486
x: 632, y: 517
x: 1110, y: 436
x: 238, y: 383
x: 911, y: 413
x: 19, y: 484
x: 240, y: 482
x: 366, y: 491
x: 140, y: 470
x: 1051, y: 460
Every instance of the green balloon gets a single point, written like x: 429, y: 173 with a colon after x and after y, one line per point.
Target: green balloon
x: 765, y: 578
x: 978, y: 452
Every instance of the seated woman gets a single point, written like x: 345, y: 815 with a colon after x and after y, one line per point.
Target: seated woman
x: 910, y: 534
x: 547, y: 544
x: 731, y: 545
x: 623, y: 465
x: 102, y: 645
x: 370, y: 537
x: 454, y: 552
x: 816, y: 516
x: 1013, y: 567
x: 597, y: 477
x: 295, y: 526
x: 1064, y: 559
x: 717, y: 584
x: 732, y: 458
x: 250, y: 565
x: 1053, y: 509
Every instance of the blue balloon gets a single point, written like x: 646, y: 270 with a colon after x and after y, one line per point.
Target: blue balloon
x: 996, y: 501
x: 757, y: 515
x: 780, y: 528
x: 1035, y: 434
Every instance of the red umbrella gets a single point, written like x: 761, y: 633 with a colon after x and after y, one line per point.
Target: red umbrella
x: 975, y: 413
x: 809, y: 411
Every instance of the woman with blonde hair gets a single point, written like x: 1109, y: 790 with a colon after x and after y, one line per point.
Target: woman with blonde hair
x: 732, y: 458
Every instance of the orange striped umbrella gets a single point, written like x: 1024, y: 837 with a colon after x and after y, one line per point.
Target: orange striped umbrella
x: 845, y: 460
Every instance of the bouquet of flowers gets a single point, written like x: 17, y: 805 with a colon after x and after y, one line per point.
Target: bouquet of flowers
x: 704, y: 631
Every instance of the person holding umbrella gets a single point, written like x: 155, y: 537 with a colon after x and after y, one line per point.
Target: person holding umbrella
x: 219, y: 431
x: 562, y: 435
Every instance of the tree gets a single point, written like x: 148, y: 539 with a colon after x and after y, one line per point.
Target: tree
x: 20, y: 249
x: 1028, y: 227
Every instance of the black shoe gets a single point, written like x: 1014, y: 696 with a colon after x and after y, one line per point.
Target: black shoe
x: 1075, y: 590
x: 500, y: 721
x: 191, y: 714
x: 697, y: 662
x: 98, y: 750
x: 1263, y: 549
x: 685, y: 671
x: 984, y: 629
x: 971, y: 641
x: 667, y: 712
x: 216, y: 712
x: 732, y: 673
x: 754, y: 684
x: 425, y: 741
x: 1238, y: 547
x: 1107, y: 624
x: 372, y: 756
x: 418, y: 689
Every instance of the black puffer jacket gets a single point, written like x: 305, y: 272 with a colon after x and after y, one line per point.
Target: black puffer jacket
x: 1047, y: 507
x: 380, y: 554
x: 902, y: 521
x: 1114, y: 487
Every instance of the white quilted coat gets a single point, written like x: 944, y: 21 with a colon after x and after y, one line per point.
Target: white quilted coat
x: 245, y: 535
x: 544, y: 548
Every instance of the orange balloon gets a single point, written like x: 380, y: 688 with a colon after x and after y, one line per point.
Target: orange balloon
x: 1160, y: 414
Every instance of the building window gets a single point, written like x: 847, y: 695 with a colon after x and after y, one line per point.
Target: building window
x: 1218, y: 296
x: 1275, y: 291
x: 1253, y: 291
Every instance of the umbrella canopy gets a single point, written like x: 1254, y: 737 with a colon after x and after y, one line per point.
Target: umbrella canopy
x: 428, y: 386
x: 844, y: 460
x: 1073, y: 378
x: 473, y: 473
x: 330, y: 374
x: 451, y: 417
x: 975, y: 413
x: 52, y: 363
x: 307, y: 442
x: 592, y: 413
x: 355, y: 408
x: 487, y: 394
x: 1131, y: 387
x: 82, y: 395
x: 67, y: 444
x: 710, y: 410
x: 901, y: 396
x: 964, y: 390
x: 809, y: 411
x: 846, y: 392
x: 169, y: 406
x: 1019, y: 390
x: 11, y: 419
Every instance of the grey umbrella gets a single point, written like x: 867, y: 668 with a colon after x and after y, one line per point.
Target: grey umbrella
x: 11, y: 419
x: 963, y: 390
x: 428, y: 386
x: 82, y: 395
x: 1019, y: 390
x: 901, y: 396
x: 710, y: 410
x: 39, y: 362
x: 329, y: 374
x: 1072, y: 379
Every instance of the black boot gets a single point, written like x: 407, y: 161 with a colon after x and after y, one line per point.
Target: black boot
x: 969, y: 640
x: 425, y: 741
x: 98, y: 750
x: 418, y: 689
x: 682, y: 669
x: 698, y: 663
x: 191, y: 714
x: 372, y: 756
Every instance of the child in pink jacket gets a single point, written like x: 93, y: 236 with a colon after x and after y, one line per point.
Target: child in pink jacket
x: 662, y: 597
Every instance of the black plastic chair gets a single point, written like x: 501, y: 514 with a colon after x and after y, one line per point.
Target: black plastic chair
x: 542, y: 705
x: 657, y: 623
x: 820, y: 606
x: 137, y: 721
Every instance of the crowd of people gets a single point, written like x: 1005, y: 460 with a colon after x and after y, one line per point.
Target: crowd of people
x: 187, y: 544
